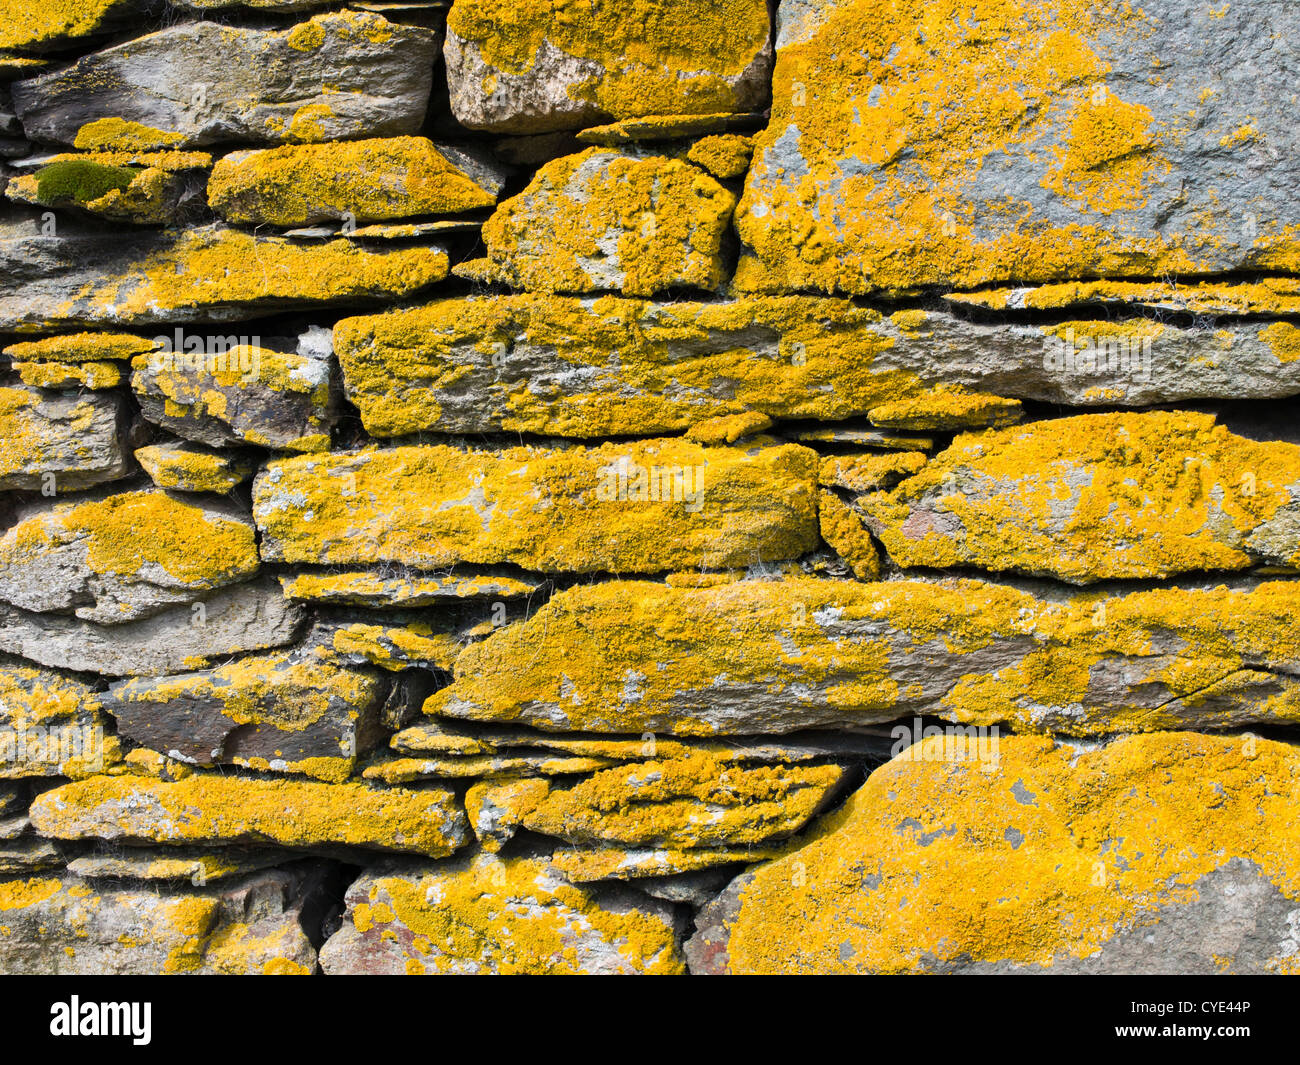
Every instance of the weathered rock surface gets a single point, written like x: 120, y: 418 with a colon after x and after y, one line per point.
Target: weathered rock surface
x: 1034, y: 142
x: 166, y: 194
x: 369, y: 588
x: 506, y: 764
x: 124, y: 557
x: 65, y: 925
x: 1102, y: 860
x: 182, y: 467
x: 366, y: 181
x: 337, y: 76
x: 488, y: 915
x: 209, y: 809
x: 173, y: 864
x: 1098, y: 496
x: 569, y: 366
x: 640, y: 507
x: 96, y: 277
x: 270, y: 712
x: 60, y: 442
x: 795, y: 654
x: 243, y: 394
x: 618, y: 221
x: 525, y: 68
x: 50, y: 725
x: 590, y: 864
x: 65, y: 376
x: 246, y: 617
x: 53, y: 24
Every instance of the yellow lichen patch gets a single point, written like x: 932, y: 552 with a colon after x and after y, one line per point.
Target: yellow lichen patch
x: 119, y: 135
x: 648, y: 506
x: 411, y: 770
x: 725, y: 155
x: 1044, y: 859
x: 696, y: 801
x: 512, y: 916
x: 19, y: 894
x: 81, y: 347
x: 49, y: 24
x: 869, y: 472
x: 1284, y: 339
x: 946, y: 410
x: 397, y: 647
x: 369, y: 180
x: 92, y: 375
x: 663, y: 58
x: 185, y: 468
x: 616, y: 863
x: 1269, y: 295
x: 843, y: 530
x: 615, y: 221
x: 728, y: 428
x: 51, y: 725
x: 210, y: 808
x: 146, y: 195
x: 368, y: 588
x: 1096, y: 496
x: 496, y: 808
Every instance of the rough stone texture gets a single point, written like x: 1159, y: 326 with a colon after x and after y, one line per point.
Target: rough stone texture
x: 1029, y: 142
x: 53, y: 24
x: 50, y: 725
x: 579, y: 510
x: 1096, y: 497
x: 268, y: 712
x: 1104, y: 860
x: 338, y: 75
x: 375, y: 589
x: 165, y: 194
x: 182, y: 467
x: 785, y: 655
x: 214, y: 809
x: 246, y: 617
x: 60, y: 442
x: 569, y: 366
x: 124, y: 557
x: 245, y: 394
x: 68, y: 926
x: 173, y: 864
x: 93, y: 277
x: 604, y: 220
x: 368, y: 180
x: 530, y: 68
x: 488, y: 915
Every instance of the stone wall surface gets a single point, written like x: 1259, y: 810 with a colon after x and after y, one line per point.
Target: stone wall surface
x: 694, y: 487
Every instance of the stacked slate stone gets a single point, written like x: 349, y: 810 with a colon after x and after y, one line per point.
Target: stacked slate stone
x: 641, y: 487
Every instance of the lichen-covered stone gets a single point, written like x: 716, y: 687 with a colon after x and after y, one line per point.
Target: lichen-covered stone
x: 246, y: 394
x: 725, y: 156
x: 61, y: 442
x: 339, y: 75
x: 697, y: 801
x: 207, y: 808
x: 626, y: 657
x: 82, y: 347
x: 640, y: 507
x: 183, y: 467
x: 50, y: 725
x: 868, y: 472
x: 583, y: 865
x: 369, y: 588
x: 618, y: 221
x: 272, y: 712
x: 366, y: 181
x: 173, y: 864
x: 578, y: 367
x: 1264, y: 296
x: 124, y: 557
x: 492, y: 915
x: 88, y: 277
x: 496, y: 808
x: 52, y: 25
x: 1032, y: 142
x: 94, y: 376
x: 399, y: 770
x: 1168, y: 853
x: 150, y: 195
x: 68, y: 926
x: 1096, y: 497
x: 842, y: 529
x: 532, y: 68
x: 245, y: 617
x: 24, y: 856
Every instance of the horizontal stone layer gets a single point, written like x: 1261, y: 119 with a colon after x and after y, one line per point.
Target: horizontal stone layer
x: 60, y: 442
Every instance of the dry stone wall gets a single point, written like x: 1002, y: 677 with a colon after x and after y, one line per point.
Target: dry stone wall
x: 526, y: 487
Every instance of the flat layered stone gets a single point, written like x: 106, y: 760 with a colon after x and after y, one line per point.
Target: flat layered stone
x: 68, y: 926
x: 124, y: 557
x: 244, y: 394
x: 181, y: 467
x: 149, y: 195
x: 54, y: 24
x: 91, y: 277
x: 1063, y: 860
x: 393, y: 647
x: 82, y: 347
x: 668, y: 128
x: 488, y: 915
x: 369, y: 588
x: 507, y: 763
x: 245, y: 617
x: 22, y: 857
x: 1096, y: 497
x: 173, y: 864
x: 340, y: 75
x: 50, y: 725
x: 588, y: 865
x: 1038, y: 142
x: 94, y: 376
x: 583, y: 367
x: 496, y: 808
x: 618, y: 221
x: 686, y: 802
x: 868, y: 472
x: 525, y: 68
x: 1267, y: 295
x: 804, y: 653
x: 272, y: 712
x: 61, y: 442
x: 206, y: 809
x: 361, y: 181
x: 639, y: 507
x: 842, y: 530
